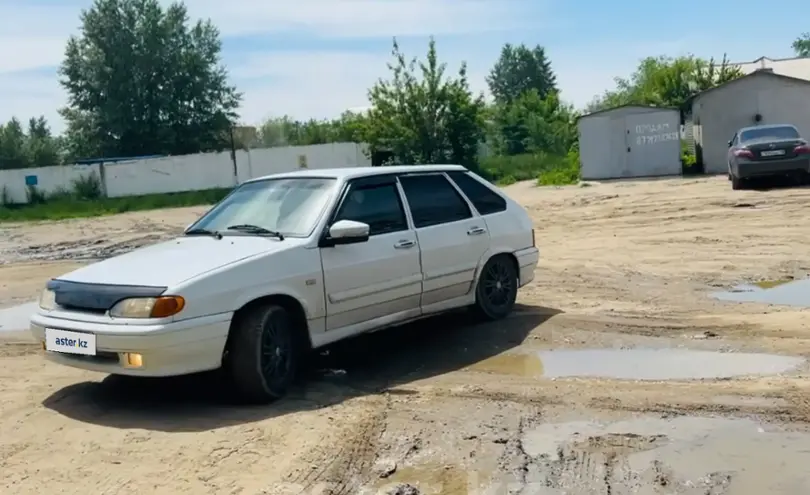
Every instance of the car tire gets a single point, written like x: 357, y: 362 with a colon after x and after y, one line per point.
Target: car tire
x: 737, y: 183
x: 263, y: 354
x: 497, y: 287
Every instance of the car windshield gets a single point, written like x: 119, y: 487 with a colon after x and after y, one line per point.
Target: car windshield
x: 780, y: 132
x: 290, y: 206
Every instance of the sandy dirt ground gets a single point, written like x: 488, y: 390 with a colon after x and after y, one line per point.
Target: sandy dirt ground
x: 448, y: 406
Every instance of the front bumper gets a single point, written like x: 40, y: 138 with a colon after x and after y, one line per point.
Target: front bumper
x: 527, y: 261
x: 773, y: 167
x: 176, y: 348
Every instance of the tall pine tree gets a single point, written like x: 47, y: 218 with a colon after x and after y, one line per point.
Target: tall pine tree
x: 520, y: 69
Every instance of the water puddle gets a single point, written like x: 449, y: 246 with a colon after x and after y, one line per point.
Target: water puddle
x: 637, y: 364
x: 781, y: 292
x: 677, y: 455
x: 16, y: 317
x: 426, y: 479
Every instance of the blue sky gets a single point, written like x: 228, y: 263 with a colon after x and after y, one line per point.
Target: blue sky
x: 316, y: 58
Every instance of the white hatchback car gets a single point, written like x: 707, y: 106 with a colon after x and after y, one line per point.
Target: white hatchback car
x: 289, y: 263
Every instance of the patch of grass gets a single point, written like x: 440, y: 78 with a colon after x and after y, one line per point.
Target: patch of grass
x: 546, y: 169
x: 68, y: 204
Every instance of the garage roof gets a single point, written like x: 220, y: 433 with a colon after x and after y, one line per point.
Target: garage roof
x: 629, y: 105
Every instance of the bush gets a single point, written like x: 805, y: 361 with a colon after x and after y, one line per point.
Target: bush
x: 87, y: 187
x: 546, y: 169
x: 689, y: 164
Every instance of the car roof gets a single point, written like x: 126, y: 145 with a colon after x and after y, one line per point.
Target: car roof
x: 348, y: 173
x: 765, y: 126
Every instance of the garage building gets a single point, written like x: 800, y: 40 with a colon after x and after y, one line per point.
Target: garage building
x: 630, y: 141
x: 761, y: 97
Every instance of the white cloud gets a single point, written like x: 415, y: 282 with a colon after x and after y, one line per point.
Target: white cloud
x: 31, y: 95
x: 325, y: 84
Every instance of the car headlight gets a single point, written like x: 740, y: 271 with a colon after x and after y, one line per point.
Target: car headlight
x: 148, y: 307
x: 47, y: 300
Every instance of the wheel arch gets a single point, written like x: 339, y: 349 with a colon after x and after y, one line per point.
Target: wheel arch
x: 492, y: 254
x: 286, y: 301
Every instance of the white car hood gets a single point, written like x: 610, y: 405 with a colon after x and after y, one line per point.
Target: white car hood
x: 169, y: 263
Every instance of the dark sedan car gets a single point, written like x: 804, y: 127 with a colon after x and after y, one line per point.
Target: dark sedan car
x: 767, y: 150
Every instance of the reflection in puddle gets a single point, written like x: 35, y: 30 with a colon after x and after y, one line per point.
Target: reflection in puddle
x: 638, y: 364
x: 685, y: 454
x: 770, y: 284
x: 787, y: 293
x: 429, y: 479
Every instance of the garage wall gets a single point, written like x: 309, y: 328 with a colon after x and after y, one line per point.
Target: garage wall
x: 723, y: 111
x: 630, y: 141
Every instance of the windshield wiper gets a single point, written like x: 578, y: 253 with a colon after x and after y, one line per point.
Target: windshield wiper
x: 212, y: 233
x: 255, y: 229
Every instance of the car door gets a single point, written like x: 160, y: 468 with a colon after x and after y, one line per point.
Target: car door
x: 452, y: 239
x: 378, y: 281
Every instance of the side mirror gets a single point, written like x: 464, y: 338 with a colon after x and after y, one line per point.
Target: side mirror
x: 346, y: 232
x: 729, y: 144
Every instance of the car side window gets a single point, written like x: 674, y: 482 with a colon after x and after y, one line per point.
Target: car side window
x: 379, y: 206
x: 485, y: 200
x: 433, y: 200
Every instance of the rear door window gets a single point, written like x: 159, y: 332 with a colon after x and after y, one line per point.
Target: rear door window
x: 485, y: 200
x: 433, y: 200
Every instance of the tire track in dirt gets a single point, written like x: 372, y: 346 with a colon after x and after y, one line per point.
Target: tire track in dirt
x: 342, y: 471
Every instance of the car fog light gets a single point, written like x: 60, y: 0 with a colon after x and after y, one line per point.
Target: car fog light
x: 133, y: 360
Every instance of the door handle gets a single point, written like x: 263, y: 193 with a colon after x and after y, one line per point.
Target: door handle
x: 476, y: 231
x: 405, y: 244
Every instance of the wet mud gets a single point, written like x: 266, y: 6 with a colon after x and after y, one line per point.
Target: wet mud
x: 638, y: 364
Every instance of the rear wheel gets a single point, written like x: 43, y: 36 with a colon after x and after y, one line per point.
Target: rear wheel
x: 497, y: 288
x: 737, y: 183
x: 263, y: 355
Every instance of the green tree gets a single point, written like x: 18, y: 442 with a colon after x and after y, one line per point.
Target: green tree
x: 666, y: 81
x: 141, y: 80
x: 12, y: 145
x: 285, y: 131
x: 41, y: 148
x: 802, y: 45
x: 423, y: 117
x: 520, y: 69
x: 532, y: 124
x: 34, y: 148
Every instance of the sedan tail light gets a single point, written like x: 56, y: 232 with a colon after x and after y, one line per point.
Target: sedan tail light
x: 802, y: 149
x: 743, y: 153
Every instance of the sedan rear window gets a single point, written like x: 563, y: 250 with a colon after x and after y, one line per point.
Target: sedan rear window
x: 780, y: 132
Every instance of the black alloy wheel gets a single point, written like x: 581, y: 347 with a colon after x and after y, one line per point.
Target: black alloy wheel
x: 497, y: 288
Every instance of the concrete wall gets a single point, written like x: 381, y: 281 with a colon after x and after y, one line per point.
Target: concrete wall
x: 187, y: 172
x: 46, y: 179
x: 722, y: 112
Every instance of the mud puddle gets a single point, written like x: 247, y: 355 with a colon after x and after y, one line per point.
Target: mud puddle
x: 685, y: 455
x: 16, y: 317
x: 638, y: 364
x: 86, y: 250
x: 781, y: 292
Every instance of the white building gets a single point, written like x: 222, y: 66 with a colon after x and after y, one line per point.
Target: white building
x: 798, y: 67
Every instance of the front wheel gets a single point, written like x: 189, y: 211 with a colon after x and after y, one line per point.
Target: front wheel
x: 262, y: 355
x: 497, y: 287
